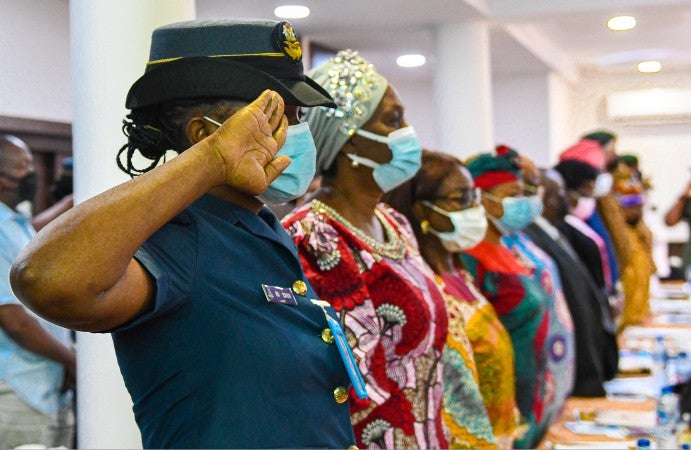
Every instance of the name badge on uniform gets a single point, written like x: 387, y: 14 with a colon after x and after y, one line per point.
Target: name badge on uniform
x: 281, y: 295
x: 345, y: 351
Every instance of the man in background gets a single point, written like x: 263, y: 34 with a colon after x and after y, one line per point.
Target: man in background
x: 37, y: 361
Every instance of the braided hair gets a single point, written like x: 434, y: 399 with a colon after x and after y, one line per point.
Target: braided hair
x: 153, y: 131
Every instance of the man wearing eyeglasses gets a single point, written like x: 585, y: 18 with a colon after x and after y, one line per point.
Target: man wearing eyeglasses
x: 37, y: 362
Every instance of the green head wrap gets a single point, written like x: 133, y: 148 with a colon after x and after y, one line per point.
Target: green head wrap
x: 491, y: 169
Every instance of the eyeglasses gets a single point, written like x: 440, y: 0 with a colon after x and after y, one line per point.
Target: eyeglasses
x: 466, y: 198
x: 530, y: 190
x: 576, y: 195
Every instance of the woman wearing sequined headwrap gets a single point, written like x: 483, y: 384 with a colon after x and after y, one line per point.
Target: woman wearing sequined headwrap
x: 361, y: 256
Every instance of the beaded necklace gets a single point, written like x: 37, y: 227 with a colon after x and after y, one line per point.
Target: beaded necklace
x: 394, y: 247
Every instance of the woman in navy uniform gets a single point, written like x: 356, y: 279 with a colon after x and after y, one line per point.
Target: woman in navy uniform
x: 216, y: 332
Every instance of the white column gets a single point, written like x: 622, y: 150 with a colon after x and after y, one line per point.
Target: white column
x: 463, y: 89
x: 110, y: 46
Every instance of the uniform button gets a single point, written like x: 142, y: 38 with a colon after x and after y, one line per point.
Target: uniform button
x: 353, y: 447
x: 327, y: 336
x: 340, y: 394
x: 300, y: 287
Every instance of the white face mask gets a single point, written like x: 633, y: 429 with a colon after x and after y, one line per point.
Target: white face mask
x: 469, y: 227
x: 603, y: 184
x: 584, y: 208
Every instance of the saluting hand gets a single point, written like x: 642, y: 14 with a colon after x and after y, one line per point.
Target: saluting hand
x: 248, y: 141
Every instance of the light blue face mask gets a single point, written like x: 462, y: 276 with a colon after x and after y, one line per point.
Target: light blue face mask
x: 296, y: 178
x: 519, y: 212
x: 536, y: 206
x: 405, y: 162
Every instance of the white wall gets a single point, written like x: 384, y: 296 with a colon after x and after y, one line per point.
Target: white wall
x: 522, y: 114
x: 663, y: 147
x: 562, y: 133
x: 35, y: 57
x: 416, y: 97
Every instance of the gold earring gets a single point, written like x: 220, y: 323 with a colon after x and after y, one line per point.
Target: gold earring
x: 424, y: 226
x: 354, y: 164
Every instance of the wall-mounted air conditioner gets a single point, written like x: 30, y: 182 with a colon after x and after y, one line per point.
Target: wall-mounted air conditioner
x: 659, y: 104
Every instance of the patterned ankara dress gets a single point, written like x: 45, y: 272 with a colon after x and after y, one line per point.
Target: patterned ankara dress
x: 464, y: 411
x: 492, y: 352
x: 561, y: 350
x: 394, y: 315
x: 522, y: 306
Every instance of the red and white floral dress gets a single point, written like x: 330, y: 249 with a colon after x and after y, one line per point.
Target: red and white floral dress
x: 394, y: 315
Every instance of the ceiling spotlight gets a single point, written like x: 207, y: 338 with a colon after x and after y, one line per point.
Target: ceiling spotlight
x: 621, y: 23
x: 649, y: 66
x: 410, y: 60
x: 292, y: 12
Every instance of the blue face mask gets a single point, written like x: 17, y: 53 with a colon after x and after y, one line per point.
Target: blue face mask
x: 405, y: 162
x: 296, y: 178
x: 518, y: 212
x: 536, y: 206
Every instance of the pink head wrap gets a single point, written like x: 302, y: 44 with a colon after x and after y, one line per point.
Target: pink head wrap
x: 587, y: 151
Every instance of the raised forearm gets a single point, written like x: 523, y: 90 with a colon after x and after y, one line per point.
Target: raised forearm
x: 675, y: 213
x: 72, y: 266
x: 79, y: 272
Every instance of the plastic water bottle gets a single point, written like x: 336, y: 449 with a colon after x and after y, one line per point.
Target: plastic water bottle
x: 682, y: 367
x: 672, y: 375
x: 667, y: 410
x: 659, y: 356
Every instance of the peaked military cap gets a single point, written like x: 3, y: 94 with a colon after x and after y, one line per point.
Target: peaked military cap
x: 229, y: 58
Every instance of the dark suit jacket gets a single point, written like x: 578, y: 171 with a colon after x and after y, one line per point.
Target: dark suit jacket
x: 597, y: 354
x: 587, y: 251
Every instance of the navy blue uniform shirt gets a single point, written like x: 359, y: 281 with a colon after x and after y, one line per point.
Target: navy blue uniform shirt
x: 214, y: 364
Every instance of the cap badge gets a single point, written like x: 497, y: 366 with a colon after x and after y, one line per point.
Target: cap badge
x: 287, y: 41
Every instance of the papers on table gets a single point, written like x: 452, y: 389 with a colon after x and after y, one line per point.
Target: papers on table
x: 615, y: 445
x: 672, y: 319
x: 592, y: 428
x: 658, y: 306
x: 676, y: 339
x: 675, y: 291
x: 635, y: 362
x: 634, y: 388
x: 639, y: 420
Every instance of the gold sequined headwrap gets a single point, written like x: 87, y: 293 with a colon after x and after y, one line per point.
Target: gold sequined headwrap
x: 357, y: 89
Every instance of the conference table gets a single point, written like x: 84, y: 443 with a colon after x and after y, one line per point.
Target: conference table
x: 628, y: 411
